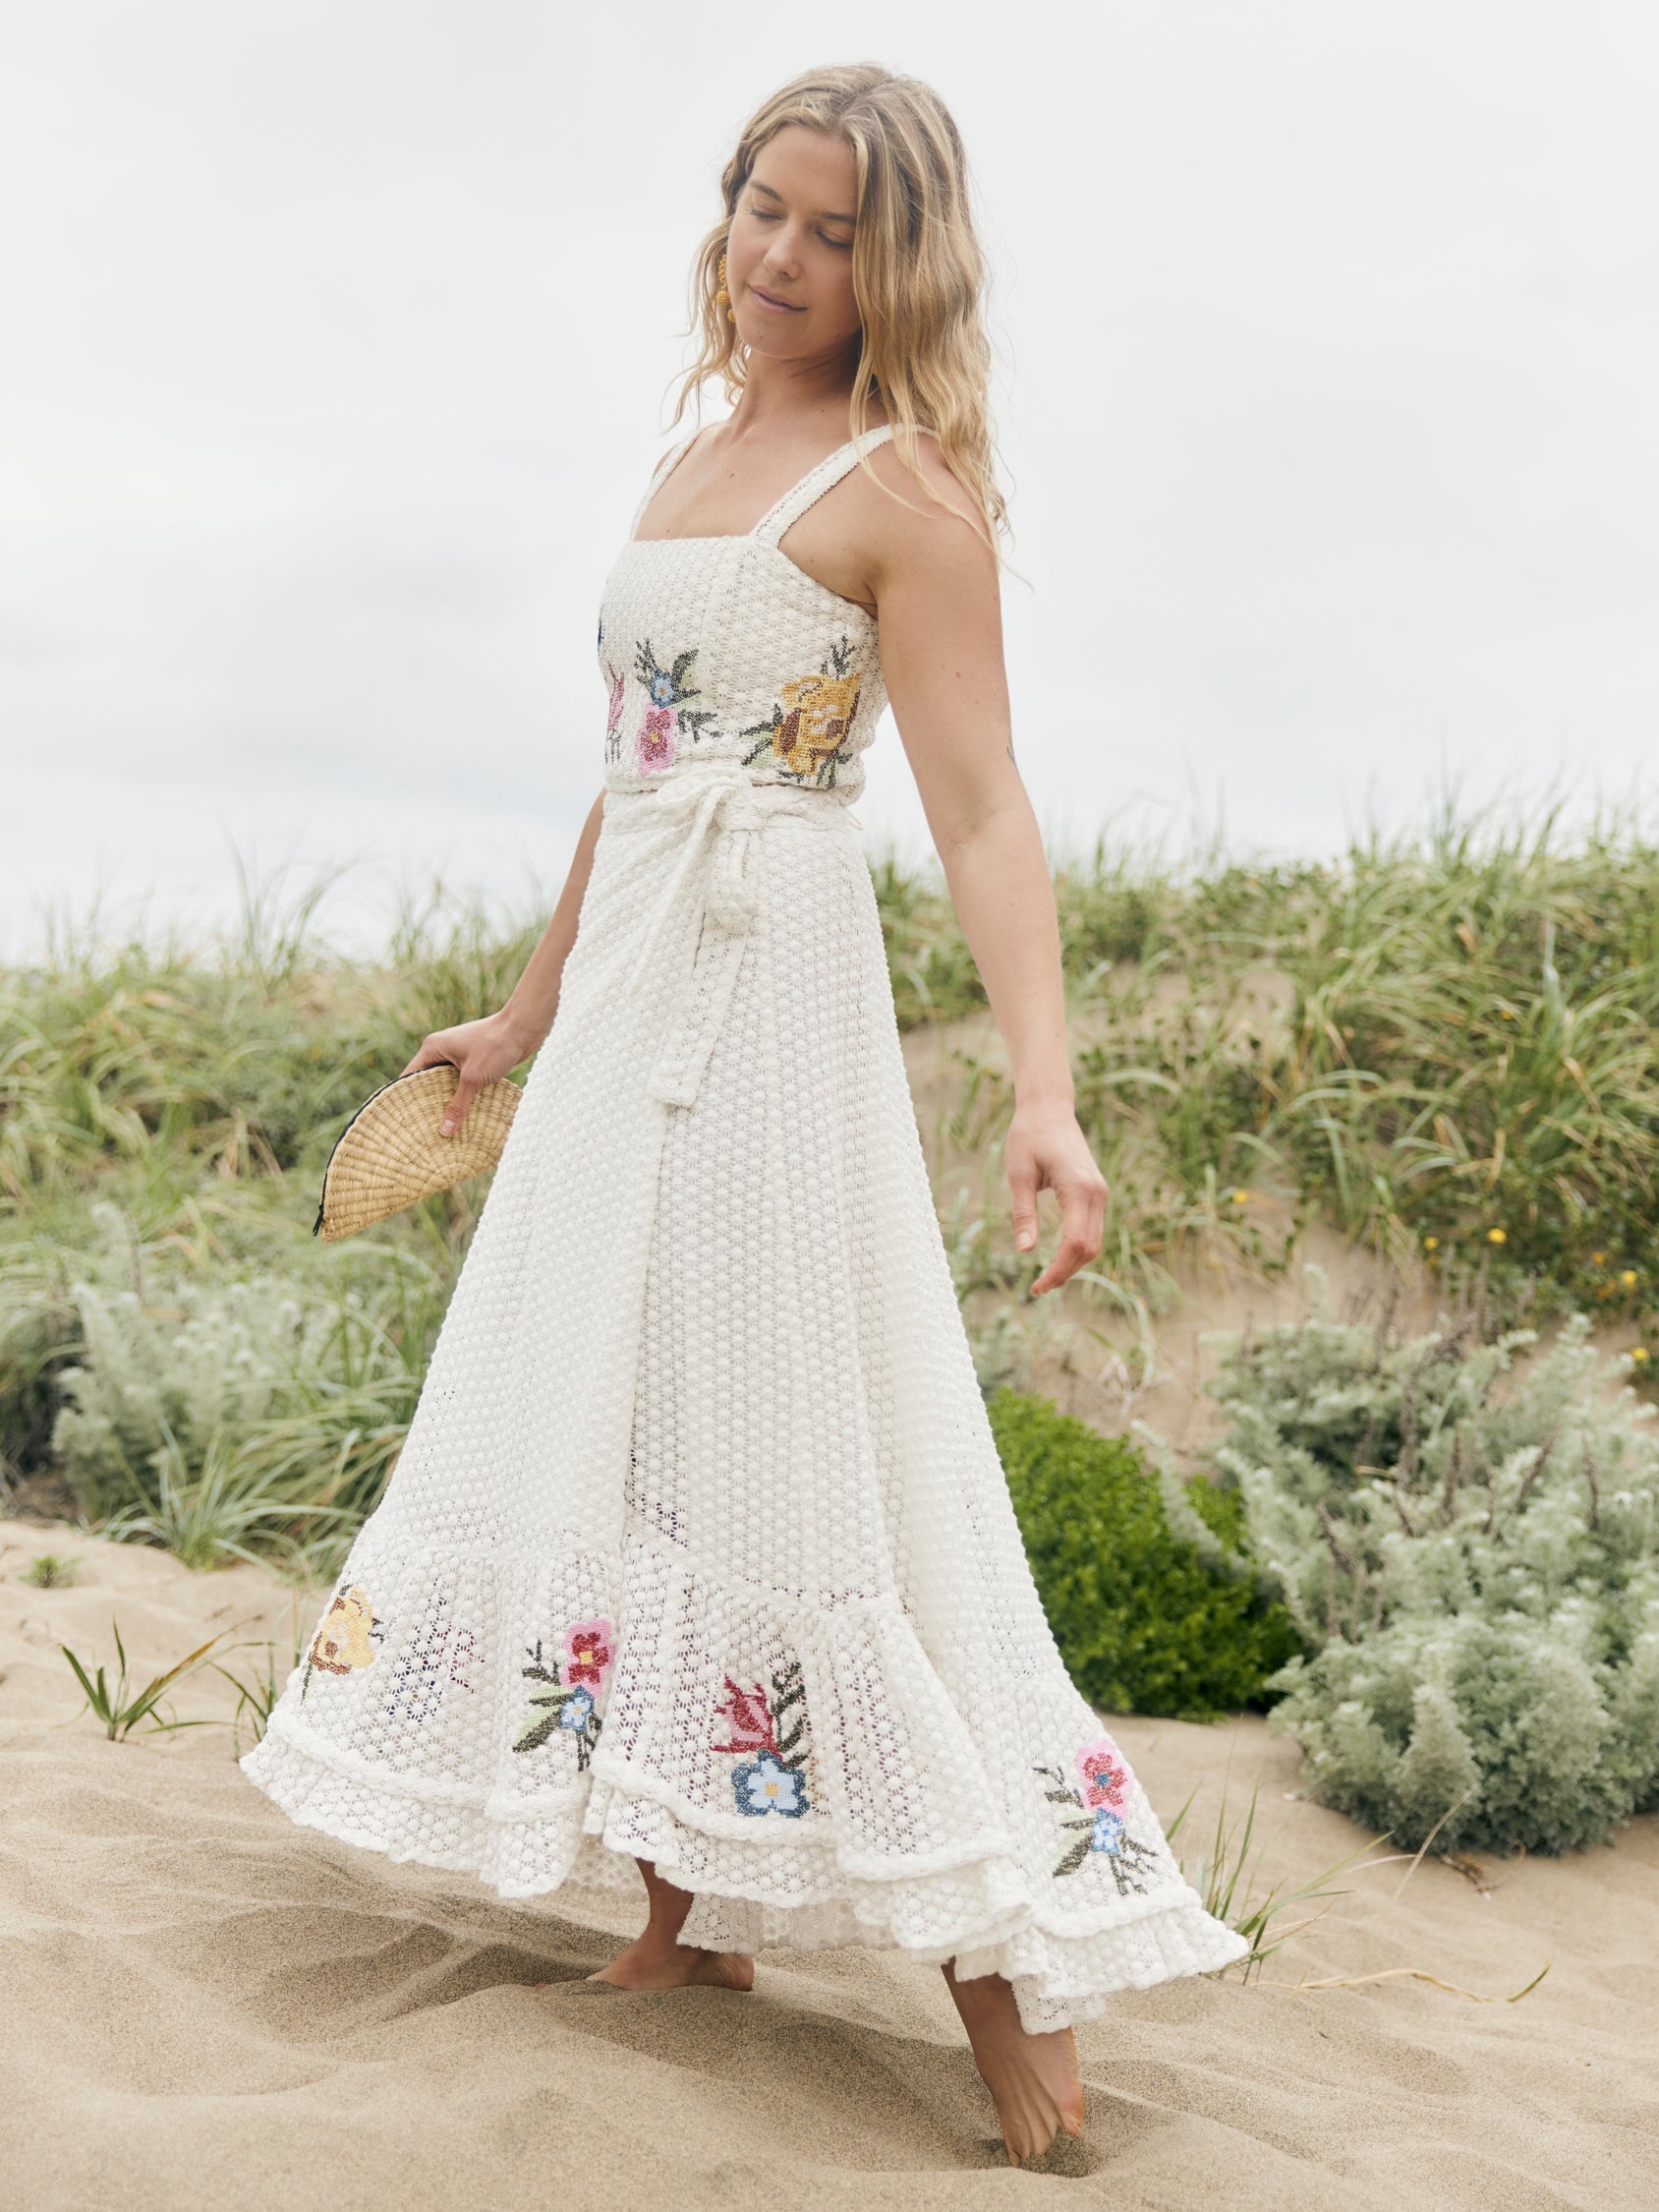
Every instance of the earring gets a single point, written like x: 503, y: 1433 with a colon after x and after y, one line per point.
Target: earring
x: 723, y: 298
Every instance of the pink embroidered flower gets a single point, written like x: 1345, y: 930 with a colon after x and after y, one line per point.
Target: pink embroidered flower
x: 619, y: 691
x: 655, y: 743
x: 588, y: 1648
x: 1106, y: 1778
x: 747, y: 1716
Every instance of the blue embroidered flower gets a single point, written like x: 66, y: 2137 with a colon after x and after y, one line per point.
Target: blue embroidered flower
x: 766, y: 1785
x: 1107, y: 1834
x: 670, y: 688
x: 577, y: 1710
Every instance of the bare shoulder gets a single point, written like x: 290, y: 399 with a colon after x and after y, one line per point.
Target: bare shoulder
x: 885, y: 527
x: 906, y: 526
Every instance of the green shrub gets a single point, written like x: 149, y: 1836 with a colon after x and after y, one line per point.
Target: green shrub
x: 1148, y: 1619
x: 1475, y: 1551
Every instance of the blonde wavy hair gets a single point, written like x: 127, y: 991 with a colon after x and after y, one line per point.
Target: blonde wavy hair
x: 918, y: 275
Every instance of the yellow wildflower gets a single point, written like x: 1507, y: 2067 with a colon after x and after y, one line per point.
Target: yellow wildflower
x: 1628, y: 1278
x: 1639, y: 1355
x: 1497, y: 1237
x: 1431, y: 1244
x: 1598, y: 1259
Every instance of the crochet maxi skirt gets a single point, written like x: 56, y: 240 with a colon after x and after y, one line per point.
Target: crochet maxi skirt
x: 699, y: 1551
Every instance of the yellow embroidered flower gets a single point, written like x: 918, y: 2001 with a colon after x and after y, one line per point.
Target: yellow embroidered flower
x: 818, y: 713
x: 342, y: 1642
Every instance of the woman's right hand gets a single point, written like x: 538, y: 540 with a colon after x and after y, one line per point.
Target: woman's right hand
x: 480, y: 1052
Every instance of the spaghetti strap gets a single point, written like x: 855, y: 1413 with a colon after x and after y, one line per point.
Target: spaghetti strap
x: 829, y: 473
x: 660, y: 476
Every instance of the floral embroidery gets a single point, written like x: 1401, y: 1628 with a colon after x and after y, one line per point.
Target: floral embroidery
x: 588, y: 1648
x: 766, y: 1785
x: 776, y: 1781
x: 1095, y: 1824
x: 1106, y: 1778
x: 342, y: 1642
x: 618, y: 682
x: 807, y: 728
x: 1106, y: 1831
x: 653, y: 741
x: 569, y: 1704
x: 667, y: 690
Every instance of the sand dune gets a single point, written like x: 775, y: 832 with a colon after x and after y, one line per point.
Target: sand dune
x: 206, y: 2007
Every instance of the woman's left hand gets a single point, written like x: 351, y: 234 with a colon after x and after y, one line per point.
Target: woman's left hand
x: 1045, y: 1150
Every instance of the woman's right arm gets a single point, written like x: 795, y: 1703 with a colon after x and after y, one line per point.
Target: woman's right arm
x: 482, y: 1051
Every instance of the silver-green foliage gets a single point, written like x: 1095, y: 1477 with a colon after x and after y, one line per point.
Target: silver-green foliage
x: 1471, y: 1550
x: 229, y: 1415
x: 159, y: 1381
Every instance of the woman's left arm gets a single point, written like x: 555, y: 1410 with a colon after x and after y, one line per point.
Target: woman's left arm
x: 935, y: 585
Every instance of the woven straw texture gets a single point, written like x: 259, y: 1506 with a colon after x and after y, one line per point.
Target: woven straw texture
x: 699, y: 1549
x: 390, y: 1155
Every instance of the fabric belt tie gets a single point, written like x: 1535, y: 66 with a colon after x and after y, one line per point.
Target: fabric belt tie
x: 724, y: 811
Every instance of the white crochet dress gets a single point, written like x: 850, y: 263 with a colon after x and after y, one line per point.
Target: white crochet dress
x: 699, y: 1549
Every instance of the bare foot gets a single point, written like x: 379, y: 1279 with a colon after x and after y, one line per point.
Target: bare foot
x: 648, y: 1964
x: 1032, y: 2079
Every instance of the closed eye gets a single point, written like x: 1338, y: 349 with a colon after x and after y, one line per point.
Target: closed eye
x: 771, y: 215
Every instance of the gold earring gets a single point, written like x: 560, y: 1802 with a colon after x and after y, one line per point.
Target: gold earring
x: 723, y: 298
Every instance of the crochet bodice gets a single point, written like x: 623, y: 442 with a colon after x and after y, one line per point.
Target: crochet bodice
x: 723, y: 649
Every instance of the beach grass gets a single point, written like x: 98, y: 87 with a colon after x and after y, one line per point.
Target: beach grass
x: 1441, y: 1044
x: 119, y: 1702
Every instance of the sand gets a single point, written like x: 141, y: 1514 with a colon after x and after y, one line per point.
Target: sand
x: 207, y: 2007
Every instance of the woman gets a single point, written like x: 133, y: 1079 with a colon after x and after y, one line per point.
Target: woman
x: 698, y: 1558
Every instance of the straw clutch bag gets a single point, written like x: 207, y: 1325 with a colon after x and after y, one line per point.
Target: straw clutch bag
x: 390, y: 1154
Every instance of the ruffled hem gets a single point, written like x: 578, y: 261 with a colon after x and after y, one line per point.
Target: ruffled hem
x: 586, y: 1838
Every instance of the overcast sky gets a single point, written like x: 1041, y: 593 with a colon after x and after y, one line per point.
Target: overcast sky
x: 336, y: 340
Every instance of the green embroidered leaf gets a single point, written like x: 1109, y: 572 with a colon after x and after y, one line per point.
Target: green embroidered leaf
x: 537, y: 1734
x: 539, y: 1674
x: 681, y: 668
x: 1059, y: 1797
x: 551, y: 1699
x: 788, y: 1742
x: 1074, y: 1859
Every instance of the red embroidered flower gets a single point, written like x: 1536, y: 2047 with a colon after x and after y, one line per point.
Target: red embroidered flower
x: 1106, y: 1778
x: 588, y: 1648
x: 747, y: 1716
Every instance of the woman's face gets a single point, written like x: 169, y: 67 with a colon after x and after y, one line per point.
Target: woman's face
x: 790, y: 251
